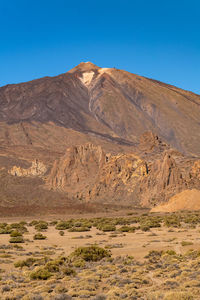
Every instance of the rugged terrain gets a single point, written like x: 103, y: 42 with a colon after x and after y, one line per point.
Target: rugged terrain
x: 96, y: 135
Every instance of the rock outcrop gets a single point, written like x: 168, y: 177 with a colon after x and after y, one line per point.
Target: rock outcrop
x: 37, y: 169
x: 87, y: 173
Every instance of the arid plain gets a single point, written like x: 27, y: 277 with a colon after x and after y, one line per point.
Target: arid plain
x: 134, y: 255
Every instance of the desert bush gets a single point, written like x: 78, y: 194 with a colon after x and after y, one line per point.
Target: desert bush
x: 106, y: 227
x: 186, y: 243
x: 40, y: 273
x: 126, y: 228
x: 191, y: 219
x: 78, y: 229
x: 39, y: 236
x: 15, y: 233
x: 91, y: 253
x: 68, y: 271
x: 170, y: 252
x: 18, y: 247
x: 25, y: 263
x: 33, y: 223
x: 6, y: 230
x: 78, y: 263
x: 17, y: 239
x: 193, y: 254
x: 61, y: 232
x: 154, y: 253
x: 20, y: 227
x: 54, y: 265
x: 149, y: 222
x: 63, y: 225
x: 53, y: 223
x: 172, y: 221
x: 3, y: 225
x: 144, y: 227
x: 41, y: 226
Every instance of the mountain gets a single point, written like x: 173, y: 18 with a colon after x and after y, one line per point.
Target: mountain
x: 69, y: 125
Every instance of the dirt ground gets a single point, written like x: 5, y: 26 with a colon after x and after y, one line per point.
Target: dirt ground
x: 122, y: 245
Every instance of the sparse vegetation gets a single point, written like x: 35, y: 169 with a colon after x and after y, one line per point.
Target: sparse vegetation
x: 91, y: 253
x: 39, y: 236
x: 91, y: 271
x: 41, y: 274
x: 17, y: 239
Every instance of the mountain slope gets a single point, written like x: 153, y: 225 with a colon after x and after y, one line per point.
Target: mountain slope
x: 97, y: 114
x: 109, y: 103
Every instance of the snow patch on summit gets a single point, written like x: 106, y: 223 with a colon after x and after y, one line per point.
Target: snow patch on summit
x: 87, y: 77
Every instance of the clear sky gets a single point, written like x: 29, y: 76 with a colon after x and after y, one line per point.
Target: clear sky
x: 159, y: 39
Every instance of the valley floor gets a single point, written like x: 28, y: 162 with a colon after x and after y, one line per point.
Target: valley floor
x: 136, y: 256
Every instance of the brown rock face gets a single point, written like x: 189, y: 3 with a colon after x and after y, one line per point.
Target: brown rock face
x: 77, y: 169
x: 163, y: 180
x: 87, y: 173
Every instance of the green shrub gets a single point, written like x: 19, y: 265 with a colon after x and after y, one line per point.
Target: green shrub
x: 54, y: 265
x: 144, y: 227
x: 39, y: 236
x: 172, y: 221
x: 53, y: 223
x: 170, y: 252
x: 126, y: 228
x: 68, y: 271
x: 3, y: 225
x: 19, y: 227
x: 186, y: 243
x: 91, y: 253
x: 63, y: 225
x: 15, y: 233
x: 61, y: 233
x: 154, y: 254
x: 25, y: 263
x: 107, y: 227
x: 40, y: 274
x: 78, y: 229
x: 42, y: 225
x: 33, y: 223
x: 17, y: 239
x: 79, y: 263
x: 6, y: 230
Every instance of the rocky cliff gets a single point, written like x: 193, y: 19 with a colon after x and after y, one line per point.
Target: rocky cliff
x: 88, y: 173
x: 143, y: 178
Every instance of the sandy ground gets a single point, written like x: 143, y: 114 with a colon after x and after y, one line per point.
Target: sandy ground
x: 136, y: 244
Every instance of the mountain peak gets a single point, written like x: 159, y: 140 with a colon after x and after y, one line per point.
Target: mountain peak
x: 85, y: 67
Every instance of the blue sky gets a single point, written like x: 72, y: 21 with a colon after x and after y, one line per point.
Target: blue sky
x: 157, y: 39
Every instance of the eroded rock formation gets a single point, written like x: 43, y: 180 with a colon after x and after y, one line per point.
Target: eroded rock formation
x: 87, y: 173
x: 37, y: 169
